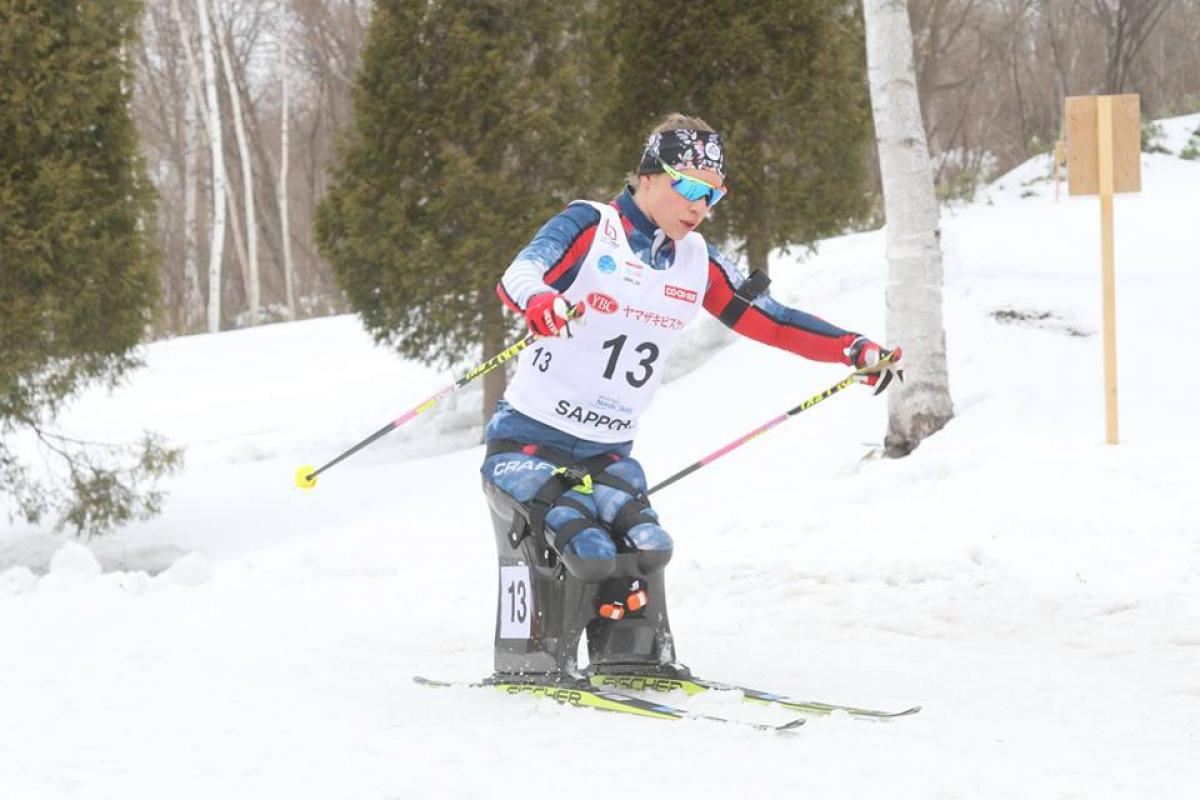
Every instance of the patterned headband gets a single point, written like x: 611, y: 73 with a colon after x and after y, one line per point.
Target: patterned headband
x: 684, y: 149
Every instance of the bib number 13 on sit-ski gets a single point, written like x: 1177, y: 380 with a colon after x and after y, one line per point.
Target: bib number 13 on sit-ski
x: 516, y: 602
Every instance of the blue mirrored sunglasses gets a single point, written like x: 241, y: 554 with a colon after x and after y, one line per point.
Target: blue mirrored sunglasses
x: 693, y: 189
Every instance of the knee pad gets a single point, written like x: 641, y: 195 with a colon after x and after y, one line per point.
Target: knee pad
x: 590, y: 556
x: 649, y: 536
x: 638, y: 524
x: 654, y: 546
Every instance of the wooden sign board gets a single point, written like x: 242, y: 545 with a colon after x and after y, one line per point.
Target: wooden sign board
x: 1104, y: 142
x: 1083, y: 148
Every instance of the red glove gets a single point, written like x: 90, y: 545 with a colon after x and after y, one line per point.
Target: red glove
x: 547, y: 313
x: 865, y: 355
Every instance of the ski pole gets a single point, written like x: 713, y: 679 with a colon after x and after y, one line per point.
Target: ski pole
x: 760, y: 430
x: 306, y: 476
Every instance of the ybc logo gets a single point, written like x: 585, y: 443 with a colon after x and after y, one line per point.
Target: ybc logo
x: 674, y: 292
x: 602, y: 303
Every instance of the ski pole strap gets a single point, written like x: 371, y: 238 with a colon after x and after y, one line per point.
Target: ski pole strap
x: 881, y: 364
x: 743, y: 296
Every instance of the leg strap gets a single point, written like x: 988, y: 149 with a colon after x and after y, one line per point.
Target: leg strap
x: 563, y: 534
x: 568, y: 531
x: 631, y: 515
x: 569, y: 475
x: 625, y: 486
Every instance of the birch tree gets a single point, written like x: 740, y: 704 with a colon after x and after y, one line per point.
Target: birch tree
x: 192, y: 299
x: 211, y: 119
x: 921, y: 405
x: 253, y: 299
x: 289, y: 269
x: 217, y: 238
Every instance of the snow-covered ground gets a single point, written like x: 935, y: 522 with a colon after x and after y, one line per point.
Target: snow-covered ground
x: 1037, y: 591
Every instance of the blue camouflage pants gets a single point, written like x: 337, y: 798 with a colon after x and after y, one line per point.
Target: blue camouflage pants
x: 520, y: 475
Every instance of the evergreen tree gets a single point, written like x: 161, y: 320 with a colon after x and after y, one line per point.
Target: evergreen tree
x: 78, y: 275
x: 469, y: 123
x: 782, y: 80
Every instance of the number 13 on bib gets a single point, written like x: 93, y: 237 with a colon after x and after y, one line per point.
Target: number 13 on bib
x: 596, y: 384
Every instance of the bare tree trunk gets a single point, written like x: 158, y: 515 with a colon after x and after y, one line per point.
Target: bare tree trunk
x: 758, y: 254
x: 289, y: 268
x: 193, y: 302
x: 198, y: 93
x: 494, y: 335
x: 920, y: 406
x: 217, y: 238
x: 1127, y: 24
x: 239, y: 128
x: 195, y: 103
x: 1058, y: 58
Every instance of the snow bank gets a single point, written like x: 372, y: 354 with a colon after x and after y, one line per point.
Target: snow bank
x: 191, y: 570
x: 1036, y: 591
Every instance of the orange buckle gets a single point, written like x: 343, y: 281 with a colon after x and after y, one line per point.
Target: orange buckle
x: 637, y: 600
x: 612, y: 611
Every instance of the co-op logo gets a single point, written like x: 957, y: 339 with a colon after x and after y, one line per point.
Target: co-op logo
x: 676, y: 293
x: 607, y: 265
x: 602, y: 303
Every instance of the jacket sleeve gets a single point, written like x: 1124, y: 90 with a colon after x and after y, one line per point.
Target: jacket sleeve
x: 552, y: 259
x: 768, y: 321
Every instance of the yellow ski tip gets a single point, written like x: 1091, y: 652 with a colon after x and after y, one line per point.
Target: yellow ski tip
x: 305, y: 478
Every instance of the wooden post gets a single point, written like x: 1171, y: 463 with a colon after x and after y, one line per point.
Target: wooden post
x: 1103, y: 146
x: 1060, y: 148
x: 1108, y: 280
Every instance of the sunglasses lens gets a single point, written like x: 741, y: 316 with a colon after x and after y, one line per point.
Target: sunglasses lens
x: 692, y: 189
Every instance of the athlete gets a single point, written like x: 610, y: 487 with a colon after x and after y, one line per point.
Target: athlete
x: 639, y: 272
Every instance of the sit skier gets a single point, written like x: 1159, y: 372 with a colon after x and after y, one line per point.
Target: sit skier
x: 580, y: 547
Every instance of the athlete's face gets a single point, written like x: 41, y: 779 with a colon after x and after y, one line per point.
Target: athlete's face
x: 671, y: 211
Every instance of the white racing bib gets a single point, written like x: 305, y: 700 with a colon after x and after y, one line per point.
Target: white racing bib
x: 596, y: 384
